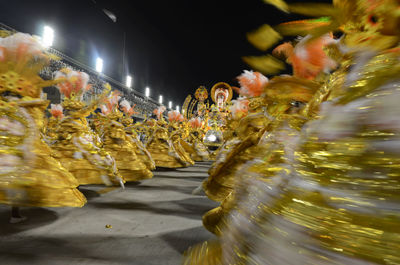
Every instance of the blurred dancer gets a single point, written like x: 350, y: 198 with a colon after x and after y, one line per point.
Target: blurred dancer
x: 132, y: 134
x: 160, y: 145
x: 337, y: 201
x: 119, y: 145
x: 29, y: 176
x: 76, y: 146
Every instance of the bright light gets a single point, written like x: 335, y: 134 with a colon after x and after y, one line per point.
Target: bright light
x: 129, y: 81
x: 160, y: 99
x: 99, y: 64
x: 177, y: 107
x: 147, y: 92
x: 211, y: 138
x: 48, y: 36
x: 170, y: 104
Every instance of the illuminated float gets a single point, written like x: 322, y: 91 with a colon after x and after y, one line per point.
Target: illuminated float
x: 214, y: 116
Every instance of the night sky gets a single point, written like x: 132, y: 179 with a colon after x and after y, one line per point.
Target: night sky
x: 171, y: 46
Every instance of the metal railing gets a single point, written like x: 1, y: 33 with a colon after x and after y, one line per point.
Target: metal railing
x: 144, y: 105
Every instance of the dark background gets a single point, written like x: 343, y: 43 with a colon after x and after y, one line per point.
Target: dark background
x: 171, y: 46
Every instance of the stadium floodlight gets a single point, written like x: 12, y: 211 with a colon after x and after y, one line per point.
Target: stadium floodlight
x: 48, y: 36
x: 170, y: 104
x: 99, y: 64
x: 160, y: 99
x: 177, y: 107
x: 147, y: 92
x: 129, y: 81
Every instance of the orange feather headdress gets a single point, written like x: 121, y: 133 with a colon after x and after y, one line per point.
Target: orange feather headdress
x: 111, y: 103
x: 308, y: 57
x: 175, y: 116
x: 251, y: 84
x: 159, y: 111
x: 195, y: 122
x: 21, y: 59
x: 126, y: 107
x: 57, y: 111
x: 73, y: 83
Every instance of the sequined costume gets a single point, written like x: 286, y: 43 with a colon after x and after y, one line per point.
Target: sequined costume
x: 161, y: 147
x: 131, y: 132
x: 29, y: 176
x: 229, y: 135
x: 221, y: 176
x: 176, y: 135
x: 51, y: 123
x: 333, y: 203
x: 119, y: 145
x: 77, y: 147
x: 198, y: 151
x: 285, y: 96
x: 336, y: 202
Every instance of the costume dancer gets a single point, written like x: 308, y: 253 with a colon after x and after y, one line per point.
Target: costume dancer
x: 77, y: 147
x: 198, y: 150
x: 338, y: 203
x: 160, y: 145
x: 220, y: 181
x: 56, y: 111
x: 177, y: 133
x: 119, y: 145
x: 29, y: 176
x: 131, y: 131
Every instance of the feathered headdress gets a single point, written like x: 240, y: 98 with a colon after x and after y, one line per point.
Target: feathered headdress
x: 159, y: 111
x: 240, y: 108
x: 73, y: 83
x: 195, y: 122
x: 175, y: 116
x: 308, y: 57
x: 126, y: 107
x: 111, y: 103
x: 105, y: 110
x: 57, y: 111
x: 21, y: 59
x: 251, y: 84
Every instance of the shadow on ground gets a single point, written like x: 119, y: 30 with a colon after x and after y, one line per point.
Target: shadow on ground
x: 192, y: 208
x: 37, y: 217
x: 165, y: 249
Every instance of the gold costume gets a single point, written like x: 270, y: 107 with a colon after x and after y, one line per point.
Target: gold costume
x: 221, y: 176
x: 335, y: 205
x: 334, y: 197
x: 162, y: 148
x: 49, y: 130
x: 177, y: 134
x: 77, y: 147
x: 131, y: 132
x: 285, y: 96
x: 29, y: 176
x: 120, y: 146
x: 140, y: 150
x: 195, y: 147
x: 230, y: 139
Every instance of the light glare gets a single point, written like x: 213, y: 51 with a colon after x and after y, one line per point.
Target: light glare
x: 211, y: 138
x: 48, y: 36
x: 99, y: 64
x: 129, y: 81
